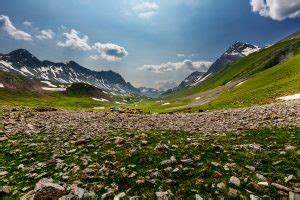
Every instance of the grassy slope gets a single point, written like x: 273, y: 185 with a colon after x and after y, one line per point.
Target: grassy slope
x: 23, y: 91
x: 55, y: 99
x: 241, y: 69
x: 280, y: 80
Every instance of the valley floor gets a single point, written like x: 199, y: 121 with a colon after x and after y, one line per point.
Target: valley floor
x: 239, y: 153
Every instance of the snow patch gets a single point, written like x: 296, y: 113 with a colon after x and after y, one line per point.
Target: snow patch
x: 49, y: 84
x: 54, y: 89
x: 248, y: 51
x: 25, y: 70
x: 200, y: 79
x: 197, y: 98
x: 165, y: 104
x: 101, y: 99
x: 290, y: 97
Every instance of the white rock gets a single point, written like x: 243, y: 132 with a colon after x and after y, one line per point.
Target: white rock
x: 235, y: 181
x: 161, y: 195
x: 265, y: 184
x: 198, y: 197
x: 119, y: 196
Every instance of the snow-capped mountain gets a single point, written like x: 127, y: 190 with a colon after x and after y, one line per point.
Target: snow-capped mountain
x: 188, y: 81
x: 235, y: 52
x: 150, y: 92
x: 23, y: 62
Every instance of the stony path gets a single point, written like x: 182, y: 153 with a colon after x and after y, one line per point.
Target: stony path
x: 273, y: 115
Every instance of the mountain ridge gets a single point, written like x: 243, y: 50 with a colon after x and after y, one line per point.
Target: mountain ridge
x: 235, y: 52
x: 25, y: 63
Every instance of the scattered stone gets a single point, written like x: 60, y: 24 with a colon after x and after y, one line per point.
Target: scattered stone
x: 235, y: 181
x: 119, y: 196
x: 107, y: 194
x: 5, y: 190
x: 281, y: 187
x: 91, y: 195
x: 198, y: 197
x: 221, y: 185
x: 261, y: 177
x: 161, y: 147
x: 28, y: 196
x: 46, y: 189
x: 169, y: 161
x: 251, y: 168
x: 253, y: 197
x: 290, y: 178
x: 3, y: 173
x: 289, y: 147
x: 216, y: 164
x: 186, y: 161
x: 2, y: 139
x: 232, y: 192
x: 264, y: 184
x: 161, y: 195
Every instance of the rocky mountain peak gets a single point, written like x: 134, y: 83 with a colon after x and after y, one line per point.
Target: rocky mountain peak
x: 241, y: 49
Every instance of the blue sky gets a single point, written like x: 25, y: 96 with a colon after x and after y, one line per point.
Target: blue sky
x: 175, y: 37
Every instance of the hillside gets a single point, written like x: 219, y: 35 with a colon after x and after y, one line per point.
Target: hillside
x: 234, y: 53
x: 258, y: 66
x: 19, y: 90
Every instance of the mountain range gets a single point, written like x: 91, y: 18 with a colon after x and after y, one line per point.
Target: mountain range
x: 235, y: 52
x: 150, y: 92
x: 23, y: 62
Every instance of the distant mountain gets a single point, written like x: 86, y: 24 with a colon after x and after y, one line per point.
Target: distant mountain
x: 23, y: 62
x: 150, y: 92
x: 188, y: 81
x: 235, y: 52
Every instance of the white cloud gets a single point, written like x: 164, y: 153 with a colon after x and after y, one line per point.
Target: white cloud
x: 46, y: 34
x: 165, y: 85
x: 15, y: 33
x: 186, y: 65
x: 27, y: 23
x: 276, y: 9
x: 145, y: 9
x: 181, y: 55
x: 74, y: 41
x: 109, y: 52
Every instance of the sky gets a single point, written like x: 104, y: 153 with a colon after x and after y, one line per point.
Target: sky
x: 153, y: 43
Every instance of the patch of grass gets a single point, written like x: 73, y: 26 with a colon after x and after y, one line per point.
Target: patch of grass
x: 119, y: 153
x: 53, y: 99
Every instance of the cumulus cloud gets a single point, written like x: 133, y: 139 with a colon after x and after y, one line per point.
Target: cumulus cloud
x: 186, y: 65
x: 276, y: 9
x: 7, y: 26
x: 165, y: 85
x: 145, y: 9
x: 46, y: 35
x: 109, y: 52
x: 74, y: 41
x: 27, y: 23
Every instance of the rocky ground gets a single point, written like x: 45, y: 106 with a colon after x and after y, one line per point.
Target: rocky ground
x: 250, y: 153
x: 27, y: 120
